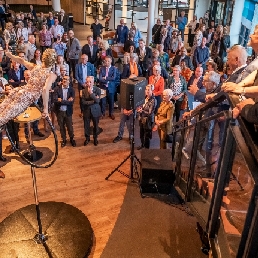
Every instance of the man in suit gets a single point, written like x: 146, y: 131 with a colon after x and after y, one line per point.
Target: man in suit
x: 73, y: 51
x: 30, y: 48
x: 107, y: 81
x: 145, y: 54
x: 121, y: 33
x: 90, y: 98
x: 16, y: 75
x: 64, y: 20
x: 64, y: 99
x: 201, y: 55
x: 183, y: 56
x: 82, y: 70
x: 90, y: 50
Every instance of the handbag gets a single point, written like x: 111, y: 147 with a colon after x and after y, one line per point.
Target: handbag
x: 184, y: 103
x: 169, y: 138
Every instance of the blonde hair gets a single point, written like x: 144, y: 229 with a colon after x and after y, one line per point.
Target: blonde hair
x: 49, y: 57
x: 104, y: 44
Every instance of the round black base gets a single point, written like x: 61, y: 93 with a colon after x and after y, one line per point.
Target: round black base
x: 33, y: 156
x: 67, y: 232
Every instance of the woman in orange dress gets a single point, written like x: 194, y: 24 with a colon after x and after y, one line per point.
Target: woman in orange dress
x: 158, y: 81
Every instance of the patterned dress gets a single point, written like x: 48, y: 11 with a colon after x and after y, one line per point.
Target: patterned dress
x: 22, y: 97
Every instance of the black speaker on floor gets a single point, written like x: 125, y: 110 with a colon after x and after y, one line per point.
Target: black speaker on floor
x: 132, y: 92
x: 157, y: 175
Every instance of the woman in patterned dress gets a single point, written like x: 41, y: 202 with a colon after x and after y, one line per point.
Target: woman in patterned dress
x: 178, y: 86
x: 40, y: 83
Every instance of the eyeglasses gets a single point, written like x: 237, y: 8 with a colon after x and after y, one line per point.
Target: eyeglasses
x: 63, y: 70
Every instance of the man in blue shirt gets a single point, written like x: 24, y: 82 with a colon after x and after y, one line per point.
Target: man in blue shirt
x: 121, y: 33
x: 201, y: 55
x: 181, y: 21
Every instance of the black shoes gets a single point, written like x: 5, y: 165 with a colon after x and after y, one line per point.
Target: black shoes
x: 2, y: 158
x: 72, y: 141
x: 40, y: 134
x: 63, y: 144
x: 86, y: 142
x: 96, y: 142
x: 117, y: 139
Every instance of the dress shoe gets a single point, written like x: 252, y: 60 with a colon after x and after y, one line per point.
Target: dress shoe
x: 2, y: 158
x: 117, y: 139
x: 112, y: 117
x: 140, y: 147
x: 40, y: 134
x: 96, y: 142
x: 63, y: 144
x: 2, y: 175
x: 72, y: 141
x: 86, y: 142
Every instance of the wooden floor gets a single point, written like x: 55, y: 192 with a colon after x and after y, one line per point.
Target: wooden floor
x: 77, y: 177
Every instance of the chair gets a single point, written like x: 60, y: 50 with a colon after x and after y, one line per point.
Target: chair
x: 118, y: 52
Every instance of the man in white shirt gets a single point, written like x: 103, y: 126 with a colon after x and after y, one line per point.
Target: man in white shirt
x: 57, y: 29
x: 30, y: 48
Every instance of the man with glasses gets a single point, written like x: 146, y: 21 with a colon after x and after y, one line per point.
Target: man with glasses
x: 183, y: 56
x: 64, y: 99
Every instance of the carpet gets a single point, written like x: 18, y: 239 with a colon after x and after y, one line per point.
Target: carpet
x: 149, y: 227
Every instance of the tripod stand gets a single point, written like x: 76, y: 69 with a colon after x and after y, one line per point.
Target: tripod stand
x: 133, y: 158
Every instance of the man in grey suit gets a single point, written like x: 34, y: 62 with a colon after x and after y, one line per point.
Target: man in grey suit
x: 90, y: 98
x: 73, y: 51
x: 30, y: 48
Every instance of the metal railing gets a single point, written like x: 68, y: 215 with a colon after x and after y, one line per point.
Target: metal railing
x: 216, y: 172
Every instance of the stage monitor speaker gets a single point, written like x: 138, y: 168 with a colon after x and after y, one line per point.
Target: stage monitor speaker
x: 157, y: 175
x: 132, y: 92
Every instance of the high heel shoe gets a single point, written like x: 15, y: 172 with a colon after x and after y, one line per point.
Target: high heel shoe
x: 2, y: 175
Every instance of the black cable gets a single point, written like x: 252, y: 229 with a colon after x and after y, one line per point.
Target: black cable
x: 28, y: 161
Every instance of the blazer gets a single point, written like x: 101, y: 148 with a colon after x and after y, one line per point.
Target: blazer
x: 165, y: 113
x: 79, y: 73
x: 29, y: 51
x: 110, y: 81
x: 121, y: 35
x: 90, y: 102
x: 187, y: 59
x: 126, y: 71
x: 58, y: 93
x: 145, y: 62
x: 171, y: 80
x: 74, y: 49
x: 12, y: 76
x: 65, y: 22
x: 86, y: 50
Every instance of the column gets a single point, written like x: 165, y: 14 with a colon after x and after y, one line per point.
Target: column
x: 151, y: 12
x: 191, y: 10
x: 236, y: 22
x: 112, y: 18
x: 56, y: 5
x: 124, y: 11
x: 156, y: 14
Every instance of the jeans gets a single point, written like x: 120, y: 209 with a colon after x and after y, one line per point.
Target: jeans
x: 110, y: 99
x: 128, y: 120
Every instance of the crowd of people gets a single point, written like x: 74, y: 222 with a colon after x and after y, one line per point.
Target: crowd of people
x: 177, y: 76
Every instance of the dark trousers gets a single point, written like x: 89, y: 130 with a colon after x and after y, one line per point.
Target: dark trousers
x: 35, y: 127
x: 145, y: 135
x: 43, y: 48
x: 158, y: 100
x: 64, y: 122
x: 178, y: 105
x: 86, y: 120
x: 2, y: 21
x: 13, y: 129
x: 110, y: 99
x: 182, y: 34
x: 72, y: 64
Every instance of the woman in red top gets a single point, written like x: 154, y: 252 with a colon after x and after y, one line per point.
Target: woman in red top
x: 158, y: 81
